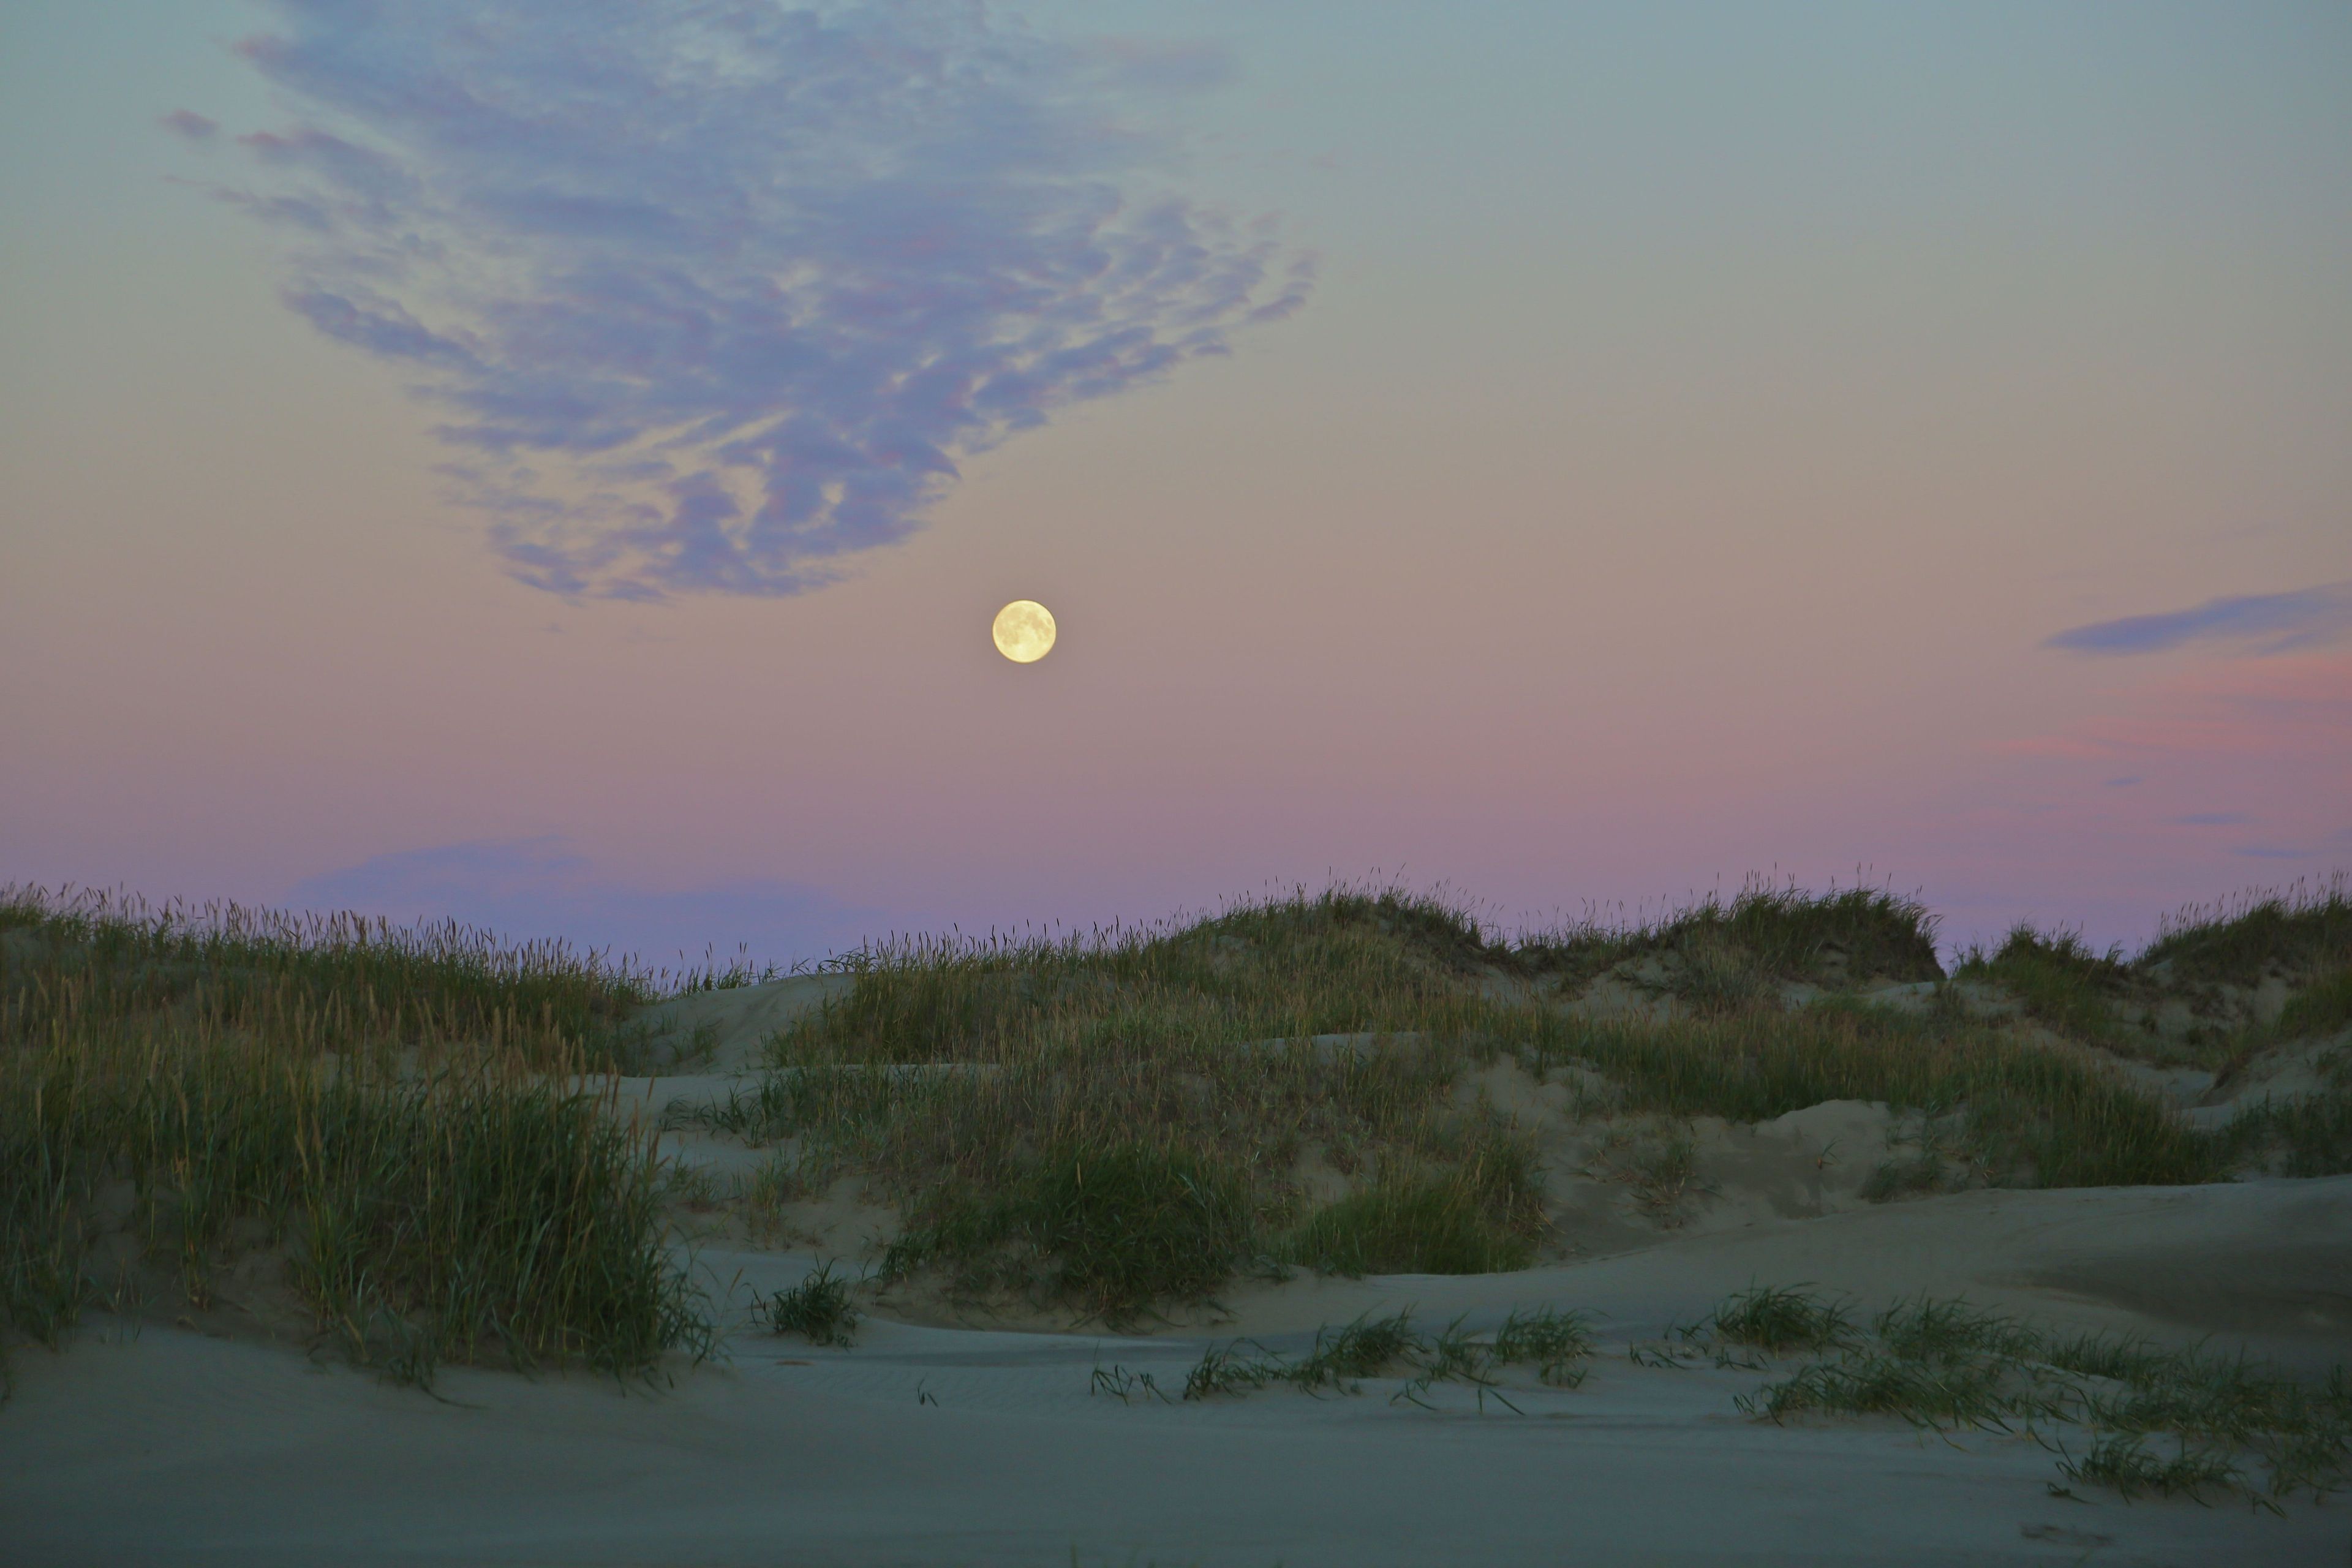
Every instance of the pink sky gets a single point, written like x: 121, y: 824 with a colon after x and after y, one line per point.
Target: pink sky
x: 1635, y: 534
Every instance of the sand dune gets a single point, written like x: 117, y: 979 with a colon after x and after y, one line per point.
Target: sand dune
x: 939, y: 1443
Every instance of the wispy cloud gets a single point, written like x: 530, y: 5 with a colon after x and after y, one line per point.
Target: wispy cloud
x: 190, y: 124
x: 2211, y: 820
x: 719, y: 292
x: 2269, y: 623
x: 542, y: 888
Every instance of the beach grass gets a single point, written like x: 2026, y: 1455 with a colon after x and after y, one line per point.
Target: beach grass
x: 976, y: 1082
x: 2057, y: 980
x: 818, y: 1309
x: 397, y: 1121
x: 1558, y: 1344
x: 1108, y: 1121
x: 2295, y: 931
x: 1768, y: 932
x: 2154, y: 1419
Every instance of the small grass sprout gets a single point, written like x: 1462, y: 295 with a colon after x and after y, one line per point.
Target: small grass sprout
x: 1777, y: 1319
x: 1558, y: 1344
x: 818, y: 1309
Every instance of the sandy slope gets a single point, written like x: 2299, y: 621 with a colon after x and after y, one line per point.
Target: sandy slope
x: 938, y: 1445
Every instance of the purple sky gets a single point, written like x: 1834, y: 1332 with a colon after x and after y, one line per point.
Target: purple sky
x: 555, y: 466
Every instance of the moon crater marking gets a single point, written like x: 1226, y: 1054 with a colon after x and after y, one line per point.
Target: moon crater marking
x: 1024, y: 631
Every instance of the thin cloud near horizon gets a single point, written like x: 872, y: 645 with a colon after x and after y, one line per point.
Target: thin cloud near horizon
x: 718, y: 296
x: 2271, y: 623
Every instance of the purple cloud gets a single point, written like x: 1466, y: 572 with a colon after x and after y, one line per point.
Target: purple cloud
x: 718, y: 294
x: 188, y: 123
x: 2275, y: 623
x: 542, y: 890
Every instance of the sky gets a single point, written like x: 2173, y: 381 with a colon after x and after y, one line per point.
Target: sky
x: 555, y: 465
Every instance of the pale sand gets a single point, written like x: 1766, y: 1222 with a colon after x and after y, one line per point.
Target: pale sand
x: 938, y: 1445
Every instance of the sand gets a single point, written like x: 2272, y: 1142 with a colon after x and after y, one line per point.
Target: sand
x: 957, y: 1445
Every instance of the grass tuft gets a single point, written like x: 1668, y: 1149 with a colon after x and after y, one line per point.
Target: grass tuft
x: 1115, y: 1228
x: 818, y: 1309
x: 1732, y: 953
x: 2301, y: 929
x: 2057, y: 980
x: 1776, y: 1318
x: 1557, y: 1343
x: 1435, y: 1224
x: 383, y: 1116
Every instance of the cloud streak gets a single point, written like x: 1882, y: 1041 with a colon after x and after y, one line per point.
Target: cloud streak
x: 717, y: 293
x: 2272, y: 622
x: 542, y: 888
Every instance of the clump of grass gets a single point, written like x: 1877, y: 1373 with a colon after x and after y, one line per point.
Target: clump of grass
x: 1944, y: 1364
x: 1365, y: 1348
x: 1776, y: 1318
x: 1115, y: 1228
x: 1731, y: 953
x: 2026, y: 1115
x: 2303, y: 1135
x: 237, y: 1072
x: 1344, y: 960
x: 1557, y: 1343
x: 2122, y: 1461
x: 818, y: 1309
x: 2297, y: 929
x: 2320, y: 1008
x: 2057, y: 980
x: 1414, y: 1225
x: 44, y: 1235
x: 234, y: 968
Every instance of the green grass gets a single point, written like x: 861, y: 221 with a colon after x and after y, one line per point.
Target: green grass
x: 1558, y: 1344
x: 2319, y: 1009
x: 1132, y: 1105
x: 2057, y: 980
x: 1731, y: 953
x: 1114, y: 1228
x: 2296, y: 931
x: 2229, y: 1424
x: 1438, y: 1224
x: 2304, y: 1135
x: 1773, y: 1318
x: 385, y: 1117
x: 231, y: 969
x: 818, y: 1309
x: 2031, y: 1116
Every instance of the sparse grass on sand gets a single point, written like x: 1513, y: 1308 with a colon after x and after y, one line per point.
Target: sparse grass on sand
x: 1558, y: 1345
x: 2144, y: 1418
x: 388, y: 1114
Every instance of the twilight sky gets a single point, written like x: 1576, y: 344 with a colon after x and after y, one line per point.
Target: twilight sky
x: 553, y: 462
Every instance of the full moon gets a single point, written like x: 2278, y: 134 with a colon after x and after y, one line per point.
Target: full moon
x: 1024, y: 631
